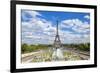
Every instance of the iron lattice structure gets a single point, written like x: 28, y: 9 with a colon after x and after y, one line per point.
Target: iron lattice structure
x: 57, y: 41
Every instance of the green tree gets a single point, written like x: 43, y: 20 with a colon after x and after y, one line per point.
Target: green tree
x: 24, y: 48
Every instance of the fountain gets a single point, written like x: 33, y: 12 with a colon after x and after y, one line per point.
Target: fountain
x: 58, y: 54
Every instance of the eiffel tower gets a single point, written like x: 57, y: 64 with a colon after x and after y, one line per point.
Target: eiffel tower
x: 57, y: 47
x: 57, y: 42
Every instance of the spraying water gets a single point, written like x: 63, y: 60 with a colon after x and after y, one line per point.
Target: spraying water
x: 57, y: 54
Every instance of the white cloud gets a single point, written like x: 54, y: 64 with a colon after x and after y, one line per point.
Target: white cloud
x: 67, y: 23
x: 39, y: 30
x: 82, y: 28
x: 33, y: 13
x: 76, y: 25
x: 48, y: 32
x: 87, y: 16
x: 75, y: 38
x: 29, y: 15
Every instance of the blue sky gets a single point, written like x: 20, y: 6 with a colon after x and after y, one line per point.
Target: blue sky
x: 50, y: 15
x: 39, y: 27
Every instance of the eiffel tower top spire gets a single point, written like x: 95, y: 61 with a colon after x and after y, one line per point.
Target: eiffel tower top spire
x: 57, y: 28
